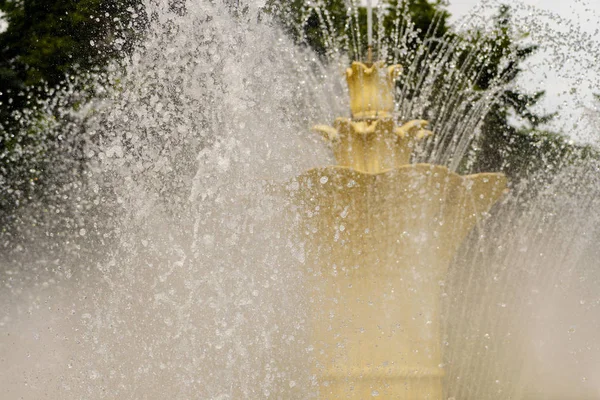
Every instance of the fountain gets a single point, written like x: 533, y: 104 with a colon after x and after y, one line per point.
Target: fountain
x: 173, y: 268
x: 381, y: 233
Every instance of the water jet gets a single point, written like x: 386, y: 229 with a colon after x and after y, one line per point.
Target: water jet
x: 174, y: 270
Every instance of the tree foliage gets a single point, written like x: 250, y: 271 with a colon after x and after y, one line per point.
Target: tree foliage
x: 503, y: 144
x: 322, y: 27
x: 45, y: 41
x: 48, y: 47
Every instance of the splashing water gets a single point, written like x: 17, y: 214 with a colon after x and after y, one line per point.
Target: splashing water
x: 170, y: 267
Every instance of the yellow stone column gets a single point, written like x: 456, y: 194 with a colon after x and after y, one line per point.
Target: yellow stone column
x: 380, y: 234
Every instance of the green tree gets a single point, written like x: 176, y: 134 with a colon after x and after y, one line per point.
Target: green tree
x: 45, y: 45
x: 332, y: 26
x: 47, y: 40
x: 502, y: 145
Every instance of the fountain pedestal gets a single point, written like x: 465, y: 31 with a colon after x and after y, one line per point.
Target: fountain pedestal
x: 379, y: 235
x: 378, y: 247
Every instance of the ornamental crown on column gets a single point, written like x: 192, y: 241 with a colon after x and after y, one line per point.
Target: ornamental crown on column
x: 371, y: 141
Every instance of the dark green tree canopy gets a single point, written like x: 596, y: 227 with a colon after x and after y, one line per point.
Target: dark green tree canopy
x: 333, y: 21
x: 47, y: 42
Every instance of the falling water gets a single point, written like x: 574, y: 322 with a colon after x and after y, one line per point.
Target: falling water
x: 169, y: 266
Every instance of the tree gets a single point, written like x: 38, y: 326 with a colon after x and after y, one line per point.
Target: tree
x: 330, y: 26
x: 46, y: 43
x: 502, y: 145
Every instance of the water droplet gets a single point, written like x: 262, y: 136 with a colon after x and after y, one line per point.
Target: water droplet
x: 344, y: 213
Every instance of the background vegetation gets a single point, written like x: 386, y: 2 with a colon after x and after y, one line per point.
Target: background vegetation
x: 50, y: 54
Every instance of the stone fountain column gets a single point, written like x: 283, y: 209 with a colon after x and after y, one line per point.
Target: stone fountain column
x: 380, y: 234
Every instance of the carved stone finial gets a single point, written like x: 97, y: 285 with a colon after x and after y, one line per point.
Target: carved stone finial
x: 372, y: 89
x: 371, y: 141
